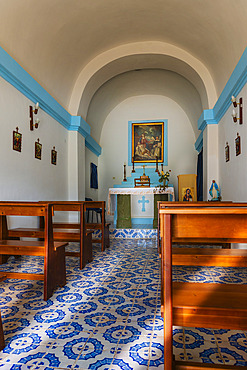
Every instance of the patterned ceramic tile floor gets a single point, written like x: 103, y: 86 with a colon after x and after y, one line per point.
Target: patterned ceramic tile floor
x: 108, y: 315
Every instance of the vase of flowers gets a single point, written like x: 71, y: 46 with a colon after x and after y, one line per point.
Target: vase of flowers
x: 164, y: 179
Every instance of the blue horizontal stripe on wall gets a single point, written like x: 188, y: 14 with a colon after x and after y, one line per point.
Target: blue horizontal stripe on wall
x: 77, y: 123
x: 199, y: 142
x: 233, y: 87
x: 92, y: 145
x: 13, y: 73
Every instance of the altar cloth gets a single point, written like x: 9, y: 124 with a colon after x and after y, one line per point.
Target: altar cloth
x: 134, y: 191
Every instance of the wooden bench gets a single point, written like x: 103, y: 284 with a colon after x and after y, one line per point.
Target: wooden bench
x: 2, y: 341
x: 102, y: 226
x: 202, y: 304
x: 53, y: 252
x: 162, y: 205
x: 64, y: 232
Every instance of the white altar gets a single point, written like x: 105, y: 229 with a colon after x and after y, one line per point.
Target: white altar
x: 142, y: 202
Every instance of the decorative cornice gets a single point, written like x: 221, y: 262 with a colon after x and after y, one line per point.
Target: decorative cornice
x: 78, y: 124
x: 13, y: 73
x: 207, y: 118
x: 92, y: 145
x: 199, y: 142
x: 233, y: 87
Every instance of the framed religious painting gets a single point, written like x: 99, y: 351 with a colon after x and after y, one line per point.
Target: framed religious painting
x: 238, y: 145
x: 227, y: 152
x: 53, y: 156
x: 38, y: 149
x: 147, y: 142
x: 17, y: 140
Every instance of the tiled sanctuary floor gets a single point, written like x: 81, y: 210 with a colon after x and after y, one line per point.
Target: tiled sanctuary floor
x: 108, y: 315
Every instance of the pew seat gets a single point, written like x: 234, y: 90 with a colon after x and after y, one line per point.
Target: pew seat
x: 207, y: 305
x: 2, y: 341
x: 53, y: 252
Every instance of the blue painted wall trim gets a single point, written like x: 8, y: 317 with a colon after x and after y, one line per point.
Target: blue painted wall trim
x: 207, y: 118
x: 199, y: 142
x: 78, y: 124
x: 13, y: 73
x: 165, y: 162
x: 92, y: 145
x: 233, y: 86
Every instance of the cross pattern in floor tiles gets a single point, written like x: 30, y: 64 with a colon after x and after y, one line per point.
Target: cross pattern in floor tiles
x: 108, y: 314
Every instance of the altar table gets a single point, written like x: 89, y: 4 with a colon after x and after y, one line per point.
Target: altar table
x: 119, y: 203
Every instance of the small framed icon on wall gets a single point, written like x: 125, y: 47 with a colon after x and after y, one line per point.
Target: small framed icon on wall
x: 17, y: 140
x: 53, y: 156
x: 227, y: 152
x: 238, y: 145
x: 38, y: 149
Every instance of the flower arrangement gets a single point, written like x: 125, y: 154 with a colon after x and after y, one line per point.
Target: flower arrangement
x: 164, y: 179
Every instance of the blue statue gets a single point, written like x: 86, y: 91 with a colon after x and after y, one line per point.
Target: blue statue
x: 214, y: 191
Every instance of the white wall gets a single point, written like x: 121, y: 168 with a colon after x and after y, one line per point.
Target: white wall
x: 182, y: 157
x: 23, y: 177
x: 90, y: 157
x: 233, y: 174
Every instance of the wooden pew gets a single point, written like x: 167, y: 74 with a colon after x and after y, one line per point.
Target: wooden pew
x: 102, y: 226
x: 64, y: 232
x: 2, y: 341
x: 202, y: 304
x: 162, y: 205
x: 53, y: 252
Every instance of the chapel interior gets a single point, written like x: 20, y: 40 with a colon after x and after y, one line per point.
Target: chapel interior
x: 118, y: 119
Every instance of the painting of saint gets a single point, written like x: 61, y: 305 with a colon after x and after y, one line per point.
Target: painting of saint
x: 54, y: 156
x: 187, y: 195
x: 38, y: 149
x: 148, y: 142
x: 17, y: 139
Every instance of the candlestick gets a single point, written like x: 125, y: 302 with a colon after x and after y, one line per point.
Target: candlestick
x: 133, y: 164
x: 162, y: 167
x: 157, y: 169
x: 124, y: 179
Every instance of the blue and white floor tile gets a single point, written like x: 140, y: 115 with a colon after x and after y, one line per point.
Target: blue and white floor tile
x: 108, y: 314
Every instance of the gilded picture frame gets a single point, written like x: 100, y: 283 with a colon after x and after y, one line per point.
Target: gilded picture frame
x: 238, y: 145
x: 227, y: 153
x: 38, y: 150
x: 17, y: 140
x: 147, y: 142
x: 54, y: 156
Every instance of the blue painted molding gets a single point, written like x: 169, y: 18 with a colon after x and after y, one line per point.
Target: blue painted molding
x: 199, y: 142
x: 207, y: 118
x: 165, y: 161
x: 13, y: 73
x: 234, y: 85
x: 78, y: 124
x: 92, y: 145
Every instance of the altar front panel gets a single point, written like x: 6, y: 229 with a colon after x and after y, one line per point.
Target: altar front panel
x: 142, y: 203
x: 142, y: 206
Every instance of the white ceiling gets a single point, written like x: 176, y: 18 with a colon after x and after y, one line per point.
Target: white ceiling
x: 54, y: 40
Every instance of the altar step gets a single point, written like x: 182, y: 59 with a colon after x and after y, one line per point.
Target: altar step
x: 137, y: 233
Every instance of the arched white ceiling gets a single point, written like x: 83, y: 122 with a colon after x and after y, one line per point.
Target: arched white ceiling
x: 144, y: 55
x: 55, y: 40
x: 149, y: 82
